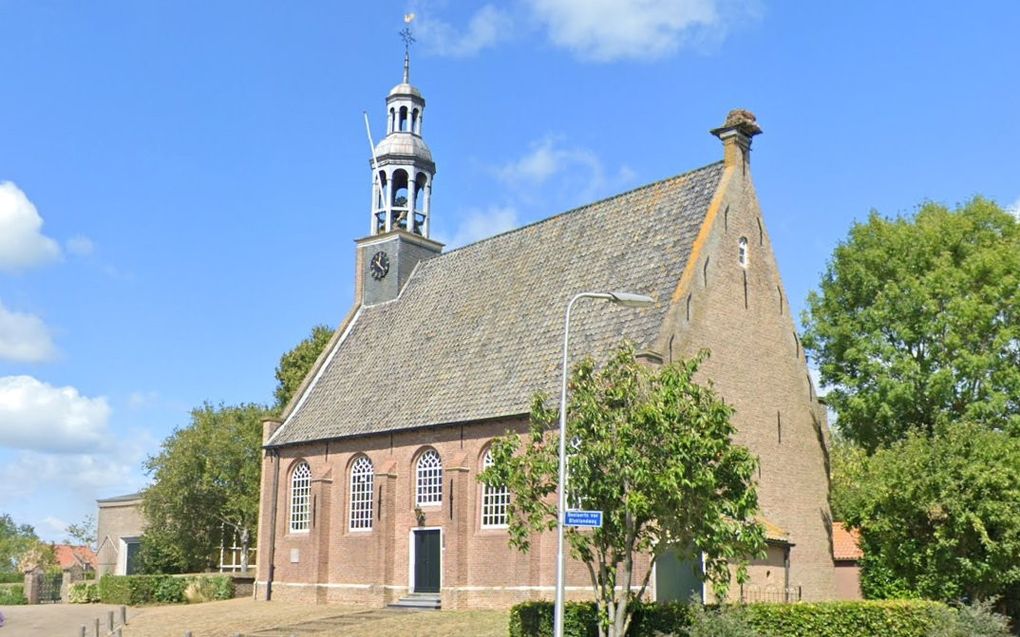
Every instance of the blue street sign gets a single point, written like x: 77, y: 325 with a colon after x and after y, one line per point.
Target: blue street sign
x: 583, y: 518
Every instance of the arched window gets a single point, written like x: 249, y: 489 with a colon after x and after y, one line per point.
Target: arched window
x: 362, y: 477
x: 415, y: 125
x: 495, y: 500
x: 429, y: 488
x: 742, y: 252
x: 300, y: 497
x: 392, y: 121
x: 403, y: 119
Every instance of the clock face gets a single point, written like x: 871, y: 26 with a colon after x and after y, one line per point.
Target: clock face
x: 379, y: 265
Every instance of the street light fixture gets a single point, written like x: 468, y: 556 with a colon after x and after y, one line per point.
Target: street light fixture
x: 626, y: 299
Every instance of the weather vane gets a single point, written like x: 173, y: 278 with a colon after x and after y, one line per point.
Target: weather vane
x: 406, y: 35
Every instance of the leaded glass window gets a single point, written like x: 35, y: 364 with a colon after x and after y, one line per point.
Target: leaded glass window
x: 430, y: 479
x: 300, y: 498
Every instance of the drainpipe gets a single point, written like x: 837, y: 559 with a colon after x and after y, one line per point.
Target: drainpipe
x: 275, y: 455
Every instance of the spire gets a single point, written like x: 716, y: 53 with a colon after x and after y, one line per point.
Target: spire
x: 407, y: 66
x: 408, y: 38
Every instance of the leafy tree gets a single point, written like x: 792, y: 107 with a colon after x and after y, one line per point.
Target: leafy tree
x: 652, y: 450
x: 205, y: 489
x: 83, y: 533
x: 846, y: 462
x: 940, y: 516
x: 295, y: 364
x: 917, y: 323
x: 15, y: 540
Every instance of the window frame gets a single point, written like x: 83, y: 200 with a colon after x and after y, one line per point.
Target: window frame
x: 497, y: 498
x: 360, y: 510
x: 299, y: 519
x: 428, y: 480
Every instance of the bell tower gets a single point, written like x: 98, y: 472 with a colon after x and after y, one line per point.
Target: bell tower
x: 402, y: 174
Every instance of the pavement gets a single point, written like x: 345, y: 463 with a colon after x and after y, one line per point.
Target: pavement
x: 58, y: 620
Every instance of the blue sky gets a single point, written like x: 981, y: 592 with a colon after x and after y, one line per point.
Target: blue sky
x: 182, y: 181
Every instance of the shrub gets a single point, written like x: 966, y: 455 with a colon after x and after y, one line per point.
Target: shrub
x: 974, y: 620
x: 168, y: 589
x: 204, y: 588
x: 132, y: 590
x: 13, y: 595
x: 895, y: 618
x: 12, y: 578
x: 83, y: 593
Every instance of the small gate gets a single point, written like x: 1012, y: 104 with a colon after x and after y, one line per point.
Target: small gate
x: 49, y: 588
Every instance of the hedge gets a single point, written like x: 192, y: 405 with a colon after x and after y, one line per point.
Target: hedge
x: 12, y: 578
x: 83, y: 593
x: 13, y: 595
x: 896, y: 618
x: 132, y: 590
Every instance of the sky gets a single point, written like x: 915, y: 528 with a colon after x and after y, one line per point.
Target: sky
x: 181, y: 182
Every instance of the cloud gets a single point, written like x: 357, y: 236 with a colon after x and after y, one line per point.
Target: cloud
x: 89, y: 475
x: 36, y: 416
x: 487, y: 27
x: 80, y: 246
x: 478, y: 224
x: 51, y: 525
x: 608, y: 30
x: 580, y: 173
x: 1014, y: 209
x: 22, y: 244
x: 139, y: 399
x: 24, y: 338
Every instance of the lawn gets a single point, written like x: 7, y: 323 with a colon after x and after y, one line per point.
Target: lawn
x: 225, y: 619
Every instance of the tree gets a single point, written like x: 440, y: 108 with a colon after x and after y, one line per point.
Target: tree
x: 846, y: 462
x: 652, y: 450
x: 917, y: 323
x: 15, y: 540
x: 940, y: 516
x: 84, y: 532
x: 205, y: 489
x: 295, y: 364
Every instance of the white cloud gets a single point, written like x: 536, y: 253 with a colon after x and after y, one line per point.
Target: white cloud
x: 24, y: 338
x: 80, y: 246
x: 22, y: 243
x: 607, y: 30
x: 52, y: 525
x: 479, y: 224
x: 37, y: 416
x: 1014, y: 209
x: 139, y: 399
x: 580, y: 173
x: 89, y: 475
x: 487, y: 27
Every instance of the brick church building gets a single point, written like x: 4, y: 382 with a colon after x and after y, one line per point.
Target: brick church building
x: 369, y: 480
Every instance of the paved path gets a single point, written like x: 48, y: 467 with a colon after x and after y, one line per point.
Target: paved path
x: 57, y: 620
x: 325, y: 624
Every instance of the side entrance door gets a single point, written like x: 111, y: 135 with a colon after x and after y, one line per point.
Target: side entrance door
x: 426, y: 561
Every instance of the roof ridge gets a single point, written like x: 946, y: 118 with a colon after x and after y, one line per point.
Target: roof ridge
x: 578, y: 209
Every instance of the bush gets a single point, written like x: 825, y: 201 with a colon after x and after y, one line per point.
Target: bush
x: 132, y: 590
x: 83, y: 593
x: 12, y: 578
x: 168, y: 589
x: 204, y: 588
x: 13, y: 595
x: 974, y: 620
x: 896, y: 618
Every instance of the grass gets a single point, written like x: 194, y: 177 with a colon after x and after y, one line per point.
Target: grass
x: 224, y: 619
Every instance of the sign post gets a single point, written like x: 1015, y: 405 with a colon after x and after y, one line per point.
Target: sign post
x: 590, y: 519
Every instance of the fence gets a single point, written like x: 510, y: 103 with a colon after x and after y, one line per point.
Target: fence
x: 777, y: 594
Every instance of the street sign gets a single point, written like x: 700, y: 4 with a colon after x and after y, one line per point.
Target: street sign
x: 583, y: 518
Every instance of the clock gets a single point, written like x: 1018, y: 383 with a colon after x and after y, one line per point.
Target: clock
x: 379, y: 265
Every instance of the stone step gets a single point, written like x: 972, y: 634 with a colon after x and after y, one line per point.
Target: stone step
x: 418, y: 601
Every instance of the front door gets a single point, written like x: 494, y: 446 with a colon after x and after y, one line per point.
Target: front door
x: 426, y: 561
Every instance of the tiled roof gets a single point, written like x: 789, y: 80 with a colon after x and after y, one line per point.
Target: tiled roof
x: 121, y: 498
x: 846, y: 543
x: 478, y: 330
x: 67, y: 556
x: 774, y: 532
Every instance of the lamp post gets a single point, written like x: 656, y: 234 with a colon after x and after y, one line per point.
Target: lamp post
x: 626, y: 299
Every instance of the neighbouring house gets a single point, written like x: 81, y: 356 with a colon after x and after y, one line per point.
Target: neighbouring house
x: 369, y: 479
x: 120, y: 526
x: 68, y: 555
x: 846, y: 556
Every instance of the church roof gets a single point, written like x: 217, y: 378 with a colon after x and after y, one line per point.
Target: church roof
x: 478, y: 330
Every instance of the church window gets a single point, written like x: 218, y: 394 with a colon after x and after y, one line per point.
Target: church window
x: 742, y: 252
x: 300, y: 495
x: 403, y: 119
x: 392, y: 120
x: 362, y: 477
x: 495, y: 500
x: 415, y: 122
x: 429, y: 488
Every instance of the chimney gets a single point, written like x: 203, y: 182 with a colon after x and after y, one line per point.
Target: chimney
x: 269, y: 427
x: 736, y: 136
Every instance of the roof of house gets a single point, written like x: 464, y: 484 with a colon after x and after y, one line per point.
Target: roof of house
x: 68, y: 556
x: 477, y: 331
x: 846, y: 543
x: 121, y: 498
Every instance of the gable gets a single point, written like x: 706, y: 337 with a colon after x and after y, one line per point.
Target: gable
x: 477, y: 331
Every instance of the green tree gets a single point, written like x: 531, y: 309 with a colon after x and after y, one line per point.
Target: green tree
x: 295, y: 364
x: 846, y: 462
x: 917, y: 323
x: 83, y: 532
x: 205, y: 489
x: 652, y: 450
x: 15, y: 540
x: 940, y: 516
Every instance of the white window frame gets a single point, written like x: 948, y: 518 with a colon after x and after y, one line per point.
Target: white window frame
x: 495, y: 500
x: 301, y: 498
x: 361, y: 491
x: 742, y: 252
x: 428, y: 489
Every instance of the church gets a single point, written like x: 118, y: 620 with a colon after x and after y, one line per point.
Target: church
x: 369, y: 491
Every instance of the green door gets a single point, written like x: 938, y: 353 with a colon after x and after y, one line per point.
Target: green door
x: 426, y: 561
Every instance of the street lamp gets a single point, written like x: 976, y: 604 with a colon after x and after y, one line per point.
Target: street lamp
x: 626, y: 299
